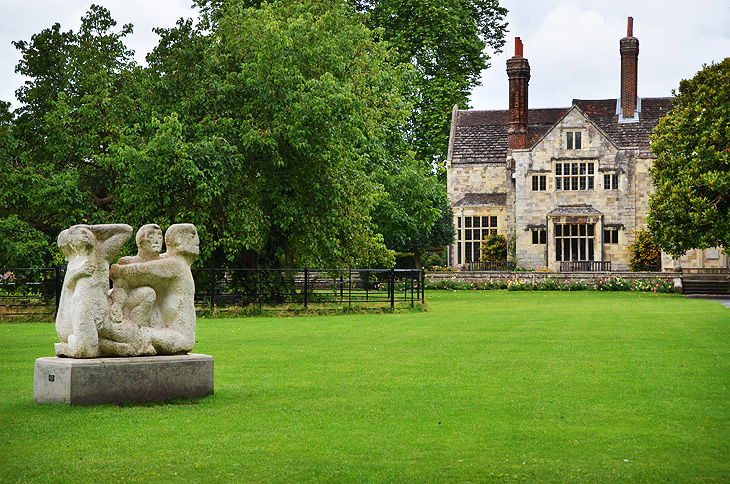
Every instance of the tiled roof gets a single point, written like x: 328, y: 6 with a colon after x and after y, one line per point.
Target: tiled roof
x: 626, y: 134
x: 481, y: 136
x: 580, y: 209
x: 488, y: 199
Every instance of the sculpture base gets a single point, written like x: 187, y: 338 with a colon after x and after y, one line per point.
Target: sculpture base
x: 117, y: 380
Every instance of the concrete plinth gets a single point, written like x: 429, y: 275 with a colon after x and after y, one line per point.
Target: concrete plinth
x: 116, y: 380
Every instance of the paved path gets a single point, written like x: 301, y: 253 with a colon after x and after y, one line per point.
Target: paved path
x: 722, y: 300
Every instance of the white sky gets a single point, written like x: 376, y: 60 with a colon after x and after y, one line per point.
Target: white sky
x: 572, y: 45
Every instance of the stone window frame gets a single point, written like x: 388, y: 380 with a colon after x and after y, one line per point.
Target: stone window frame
x: 613, y: 180
x: 574, y: 140
x: 467, y: 245
x: 581, y: 175
x: 610, y: 235
x: 539, y: 183
x: 539, y: 236
x: 577, y: 241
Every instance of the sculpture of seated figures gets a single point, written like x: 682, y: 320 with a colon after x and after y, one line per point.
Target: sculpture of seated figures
x: 83, y: 306
x: 170, y: 327
x: 131, y: 308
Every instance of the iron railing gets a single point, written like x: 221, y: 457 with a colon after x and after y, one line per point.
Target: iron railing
x: 500, y: 265
x: 36, y: 292
x: 585, y: 266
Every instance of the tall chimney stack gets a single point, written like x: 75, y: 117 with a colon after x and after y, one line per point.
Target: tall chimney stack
x: 518, y: 72
x: 629, y: 47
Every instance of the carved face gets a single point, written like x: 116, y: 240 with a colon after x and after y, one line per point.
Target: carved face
x: 185, y: 241
x: 152, y: 241
x: 81, y: 238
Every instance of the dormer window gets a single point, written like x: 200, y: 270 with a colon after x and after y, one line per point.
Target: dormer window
x: 573, y: 140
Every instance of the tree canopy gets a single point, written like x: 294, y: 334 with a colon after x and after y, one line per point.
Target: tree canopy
x: 291, y: 132
x: 691, y: 206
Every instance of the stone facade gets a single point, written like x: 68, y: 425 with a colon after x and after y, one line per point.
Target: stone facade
x: 571, y: 184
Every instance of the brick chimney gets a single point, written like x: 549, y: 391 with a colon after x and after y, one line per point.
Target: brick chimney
x: 518, y: 71
x: 629, y: 47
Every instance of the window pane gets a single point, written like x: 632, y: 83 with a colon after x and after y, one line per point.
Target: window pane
x: 467, y: 222
x: 606, y: 236
x: 591, y: 229
x: 494, y: 222
x: 578, y: 141
x: 574, y: 230
x: 458, y: 222
x: 467, y: 252
x: 574, y: 249
x: 558, y: 169
x: 558, y: 184
x: 590, y: 168
x: 615, y: 237
x: 590, y: 183
x: 458, y: 235
x: 543, y: 182
x: 534, y: 183
x: 606, y: 182
x: 476, y: 222
x: 582, y: 244
x: 476, y: 250
x: 574, y: 169
x: 535, y: 237
x: 458, y: 253
x: 543, y: 236
x: 582, y: 168
x: 558, y: 251
x: 582, y: 183
x: 569, y: 137
x: 558, y: 230
x: 574, y: 183
x: 615, y: 182
x: 467, y: 234
x: 591, y: 254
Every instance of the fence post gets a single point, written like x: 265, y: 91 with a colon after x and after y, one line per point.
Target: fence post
x: 58, y: 286
x: 211, y: 289
x: 306, y: 285
x: 392, y: 289
x: 423, y: 286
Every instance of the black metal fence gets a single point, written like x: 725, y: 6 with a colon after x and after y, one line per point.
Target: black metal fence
x: 492, y: 265
x: 585, y: 266
x: 35, y: 292
x: 305, y: 288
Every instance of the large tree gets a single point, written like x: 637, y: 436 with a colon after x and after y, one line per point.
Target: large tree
x: 691, y: 206
x: 447, y: 41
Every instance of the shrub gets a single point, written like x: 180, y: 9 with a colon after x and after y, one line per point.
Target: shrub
x: 494, y: 248
x: 643, y: 252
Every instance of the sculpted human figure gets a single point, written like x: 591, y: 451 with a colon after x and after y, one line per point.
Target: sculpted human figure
x: 131, y: 307
x: 83, y: 306
x: 170, y: 278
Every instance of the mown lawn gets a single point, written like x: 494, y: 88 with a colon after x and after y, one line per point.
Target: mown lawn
x: 488, y: 386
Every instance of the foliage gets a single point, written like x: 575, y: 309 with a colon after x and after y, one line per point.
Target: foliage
x: 446, y: 42
x: 280, y: 131
x: 494, y: 248
x: 643, y: 252
x: 691, y: 206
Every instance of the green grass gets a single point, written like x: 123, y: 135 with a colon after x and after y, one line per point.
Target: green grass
x: 489, y: 386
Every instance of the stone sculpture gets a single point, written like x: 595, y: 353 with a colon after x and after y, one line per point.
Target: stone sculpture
x: 149, y: 311
x: 83, y: 306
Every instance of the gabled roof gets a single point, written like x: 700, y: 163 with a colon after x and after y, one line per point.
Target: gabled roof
x: 481, y: 136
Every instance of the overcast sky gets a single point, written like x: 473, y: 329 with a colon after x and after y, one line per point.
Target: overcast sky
x: 572, y: 46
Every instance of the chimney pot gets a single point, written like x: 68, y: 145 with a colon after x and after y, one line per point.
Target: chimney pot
x: 630, y: 28
x: 518, y: 47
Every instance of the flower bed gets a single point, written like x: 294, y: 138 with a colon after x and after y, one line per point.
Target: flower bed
x: 551, y: 282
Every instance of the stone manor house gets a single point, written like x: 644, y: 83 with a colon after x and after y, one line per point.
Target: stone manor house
x: 572, y: 184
